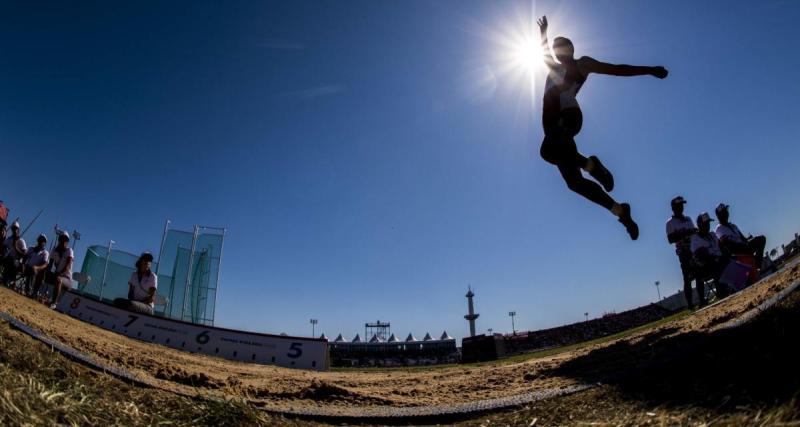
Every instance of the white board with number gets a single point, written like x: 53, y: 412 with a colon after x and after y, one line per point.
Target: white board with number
x: 280, y: 350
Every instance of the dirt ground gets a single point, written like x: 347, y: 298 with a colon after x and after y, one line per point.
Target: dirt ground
x: 346, y: 391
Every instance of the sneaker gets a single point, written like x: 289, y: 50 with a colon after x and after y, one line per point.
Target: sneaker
x: 601, y: 174
x: 53, y: 306
x: 626, y: 220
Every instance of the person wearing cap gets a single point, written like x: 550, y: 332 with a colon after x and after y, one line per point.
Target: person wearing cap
x: 35, y: 264
x: 61, y: 273
x: 708, y: 257
x: 733, y: 241
x: 680, y: 229
x: 15, y: 252
x: 141, y: 287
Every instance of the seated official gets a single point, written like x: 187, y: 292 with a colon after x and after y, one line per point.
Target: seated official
x: 141, y: 287
x: 708, y: 257
x: 60, y: 276
x: 16, y: 249
x: 36, y: 261
x: 734, y: 242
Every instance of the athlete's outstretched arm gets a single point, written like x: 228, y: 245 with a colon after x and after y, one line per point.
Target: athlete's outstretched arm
x: 546, y: 54
x: 591, y: 65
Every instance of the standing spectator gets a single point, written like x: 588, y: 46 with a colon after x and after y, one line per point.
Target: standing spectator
x: 680, y: 229
x: 733, y: 241
x: 708, y: 257
x: 36, y: 261
x: 62, y: 259
x: 141, y: 287
x: 15, y: 250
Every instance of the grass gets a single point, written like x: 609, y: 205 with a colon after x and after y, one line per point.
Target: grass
x: 39, y: 387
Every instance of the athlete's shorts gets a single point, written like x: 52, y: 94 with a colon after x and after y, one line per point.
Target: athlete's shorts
x: 558, y: 146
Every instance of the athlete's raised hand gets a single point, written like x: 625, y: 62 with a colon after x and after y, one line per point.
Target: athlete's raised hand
x: 660, y: 72
x: 542, y: 24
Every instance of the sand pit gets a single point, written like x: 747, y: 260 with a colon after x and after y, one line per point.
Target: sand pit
x: 345, y: 392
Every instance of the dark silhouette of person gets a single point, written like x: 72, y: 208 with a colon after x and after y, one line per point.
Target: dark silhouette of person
x: 734, y: 242
x: 680, y: 229
x: 562, y: 120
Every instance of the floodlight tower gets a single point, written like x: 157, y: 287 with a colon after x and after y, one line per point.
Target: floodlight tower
x: 471, y: 314
x: 513, y: 329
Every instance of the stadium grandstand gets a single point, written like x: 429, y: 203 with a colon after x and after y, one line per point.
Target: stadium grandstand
x: 381, y: 351
x: 483, y: 347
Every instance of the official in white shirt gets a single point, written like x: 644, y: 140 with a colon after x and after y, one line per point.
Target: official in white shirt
x: 734, y: 242
x: 709, y: 260
x: 680, y: 229
x: 62, y: 259
x: 36, y: 260
x: 142, y: 287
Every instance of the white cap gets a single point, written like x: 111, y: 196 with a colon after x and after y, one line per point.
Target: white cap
x: 15, y: 224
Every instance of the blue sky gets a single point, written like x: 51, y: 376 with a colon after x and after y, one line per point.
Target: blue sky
x: 372, y: 159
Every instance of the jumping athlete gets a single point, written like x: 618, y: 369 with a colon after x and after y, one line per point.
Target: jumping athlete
x: 562, y: 120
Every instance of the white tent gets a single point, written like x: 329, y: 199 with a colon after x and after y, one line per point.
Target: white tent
x: 323, y: 337
x: 428, y: 337
x: 375, y: 338
x: 393, y: 338
x: 340, y: 338
x: 357, y: 338
x: 445, y: 336
x: 410, y: 338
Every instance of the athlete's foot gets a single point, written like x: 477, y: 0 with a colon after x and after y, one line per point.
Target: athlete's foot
x: 600, y: 173
x: 627, y: 221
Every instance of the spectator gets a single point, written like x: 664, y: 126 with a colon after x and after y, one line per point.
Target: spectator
x: 61, y: 275
x: 15, y: 250
x: 3, y: 235
x: 141, y: 287
x: 680, y: 229
x: 35, y: 264
x: 708, y: 257
x: 733, y: 241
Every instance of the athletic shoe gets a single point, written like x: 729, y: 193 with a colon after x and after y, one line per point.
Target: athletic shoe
x: 53, y: 306
x: 626, y: 220
x: 601, y: 174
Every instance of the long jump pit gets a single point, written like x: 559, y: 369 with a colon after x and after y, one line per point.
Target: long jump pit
x: 406, y: 395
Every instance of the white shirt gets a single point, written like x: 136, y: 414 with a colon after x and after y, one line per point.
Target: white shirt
x: 729, y: 232
x: 21, y: 246
x: 709, y: 241
x: 141, y: 288
x: 60, y: 261
x: 679, y: 224
x: 37, y: 257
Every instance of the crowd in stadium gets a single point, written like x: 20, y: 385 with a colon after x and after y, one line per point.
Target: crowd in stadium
x: 523, y: 342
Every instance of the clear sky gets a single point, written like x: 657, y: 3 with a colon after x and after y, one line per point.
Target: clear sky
x: 371, y: 159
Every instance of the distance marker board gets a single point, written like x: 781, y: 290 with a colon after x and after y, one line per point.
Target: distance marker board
x: 250, y: 347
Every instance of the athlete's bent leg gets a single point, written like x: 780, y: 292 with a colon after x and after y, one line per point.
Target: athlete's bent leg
x: 588, y: 189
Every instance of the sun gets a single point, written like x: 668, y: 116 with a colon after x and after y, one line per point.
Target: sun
x: 526, y: 54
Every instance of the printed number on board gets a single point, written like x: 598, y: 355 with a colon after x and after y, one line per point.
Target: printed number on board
x: 294, y: 350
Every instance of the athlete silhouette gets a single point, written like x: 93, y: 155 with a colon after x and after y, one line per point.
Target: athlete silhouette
x: 562, y: 120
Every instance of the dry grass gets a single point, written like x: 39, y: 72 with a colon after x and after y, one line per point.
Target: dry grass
x: 42, y: 388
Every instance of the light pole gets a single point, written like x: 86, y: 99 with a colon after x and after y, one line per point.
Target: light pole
x: 513, y: 328
x: 313, y: 324
x: 658, y: 290
x: 490, y: 331
x: 75, y: 236
x: 586, y: 315
x: 105, y: 269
